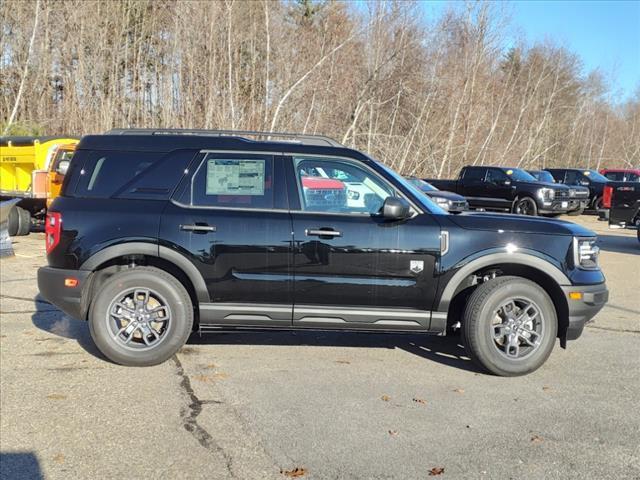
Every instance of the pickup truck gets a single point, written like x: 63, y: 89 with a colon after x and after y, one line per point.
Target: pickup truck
x: 591, y: 179
x: 621, y: 205
x: 509, y: 190
x: 576, y: 192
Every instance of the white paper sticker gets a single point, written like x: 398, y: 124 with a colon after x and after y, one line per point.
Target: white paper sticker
x: 235, y: 177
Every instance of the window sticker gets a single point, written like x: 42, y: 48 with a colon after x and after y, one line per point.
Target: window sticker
x: 509, y: 172
x: 587, y: 173
x: 235, y: 177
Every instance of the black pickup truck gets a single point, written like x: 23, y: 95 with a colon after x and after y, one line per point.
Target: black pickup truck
x: 510, y: 190
x: 621, y: 205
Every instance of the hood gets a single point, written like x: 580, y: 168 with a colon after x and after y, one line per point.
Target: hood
x: 444, y: 194
x: 519, y: 224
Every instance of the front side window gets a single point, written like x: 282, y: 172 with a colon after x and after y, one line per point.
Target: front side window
x: 495, y: 175
x: 572, y: 177
x: 340, y: 186
x: 615, y: 176
x: 233, y: 181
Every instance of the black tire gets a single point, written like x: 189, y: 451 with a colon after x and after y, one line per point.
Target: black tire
x: 597, y: 204
x: 102, y: 323
x: 525, y: 206
x: 575, y: 213
x: 638, y: 231
x: 479, y: 328
x: 13, y: 221
x: 24, y: 222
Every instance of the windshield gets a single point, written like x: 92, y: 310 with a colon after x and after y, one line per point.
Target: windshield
x: 595, y: 176
x: 520, y: 175
x: 544, y: 176
x: 425, y: 201
x: 421, y: 184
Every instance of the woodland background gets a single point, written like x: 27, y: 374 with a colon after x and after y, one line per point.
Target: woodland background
x: 425, y: 96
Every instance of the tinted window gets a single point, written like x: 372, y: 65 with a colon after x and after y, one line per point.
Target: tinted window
x: 633, y: 177
x: 615, y: 176
x: 474, y: 174
x: 330, y: 185
x: 558, y: 175
x: 595, y: 176
x: 495, y: 175
x: 573, y: 177
x: 520, y: 175
x: 106, y: 172
x: 238, y: 181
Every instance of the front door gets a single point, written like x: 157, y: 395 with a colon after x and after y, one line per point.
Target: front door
x: 352, y: 268
x: 231, y: 220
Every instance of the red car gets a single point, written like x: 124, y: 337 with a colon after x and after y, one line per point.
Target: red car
x: 621, y: 174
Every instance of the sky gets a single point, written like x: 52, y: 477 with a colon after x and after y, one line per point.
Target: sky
x: 604, y: 34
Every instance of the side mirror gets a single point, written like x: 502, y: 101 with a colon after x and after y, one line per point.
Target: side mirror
x: 395, y: 208
x: 63, y: 166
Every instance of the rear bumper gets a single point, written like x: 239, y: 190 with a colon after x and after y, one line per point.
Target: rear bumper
x: 584, y: 309
x: 51, y: 283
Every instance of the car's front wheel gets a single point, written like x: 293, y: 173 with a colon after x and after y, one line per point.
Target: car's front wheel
x: 141, y: 316
x: 526, y: 206
x: 509, y: 326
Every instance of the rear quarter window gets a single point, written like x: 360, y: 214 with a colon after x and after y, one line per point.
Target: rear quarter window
x: 124, y: 174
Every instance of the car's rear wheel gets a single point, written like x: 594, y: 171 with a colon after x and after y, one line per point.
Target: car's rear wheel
x: 141, y: 317
x: 526, y: 206
x: 509, y: 326
x: 597, y: 204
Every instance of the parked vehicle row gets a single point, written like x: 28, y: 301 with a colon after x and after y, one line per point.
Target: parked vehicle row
x: 32, y: 170
x: 159, y: 233
x: 509, y: 190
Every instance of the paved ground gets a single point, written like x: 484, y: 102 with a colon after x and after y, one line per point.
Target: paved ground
x: 336, y: 405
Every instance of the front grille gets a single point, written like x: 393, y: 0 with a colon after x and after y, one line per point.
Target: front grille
x: 325, y: 197
x: 561, y: 194
x: 578, y: 193
x: 458, y: 206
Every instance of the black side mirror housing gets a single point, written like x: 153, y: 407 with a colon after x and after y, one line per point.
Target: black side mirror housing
x: 395, y: 208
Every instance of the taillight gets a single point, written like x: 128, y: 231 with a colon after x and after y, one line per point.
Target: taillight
x: 606, y: 196
x: 52, y: 229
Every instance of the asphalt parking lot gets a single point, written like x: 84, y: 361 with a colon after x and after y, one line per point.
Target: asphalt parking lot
x: 317, y: 405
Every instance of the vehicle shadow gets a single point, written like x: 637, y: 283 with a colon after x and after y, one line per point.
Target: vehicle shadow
x: 619, y: 244
x: 444, y: 350
x: 20, y: 465
x: 49, y: 319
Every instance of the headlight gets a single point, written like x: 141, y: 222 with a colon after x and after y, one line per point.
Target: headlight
x: 546, y: 194
x: 443, y: 202
x: 585, y: 253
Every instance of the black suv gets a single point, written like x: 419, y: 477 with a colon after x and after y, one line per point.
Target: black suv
x: 592, y: 179
x: 509, y: 189
x: 160, y: 233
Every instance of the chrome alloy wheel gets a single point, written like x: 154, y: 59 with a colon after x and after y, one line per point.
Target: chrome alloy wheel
x: 139, y: 318
x: 517, y: 328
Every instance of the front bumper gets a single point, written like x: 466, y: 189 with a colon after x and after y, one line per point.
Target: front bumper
x: 560, y: 206
x: 593, y: 298
x: 51, y: 283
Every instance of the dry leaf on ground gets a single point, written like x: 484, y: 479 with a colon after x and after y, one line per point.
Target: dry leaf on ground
x: 56, y: 396
x: 393, y: 433
x: 459, y: 390
x: 385, y: 398
x: 343, y: 362
x: 537, y: 439
x: 436, y: 471
x: 295, y: 473
x: 420, y: 400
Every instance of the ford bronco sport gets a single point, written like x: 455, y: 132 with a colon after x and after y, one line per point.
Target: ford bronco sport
x: 158, y: 233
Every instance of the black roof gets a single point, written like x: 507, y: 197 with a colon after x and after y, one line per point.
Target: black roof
x: 167, y: 142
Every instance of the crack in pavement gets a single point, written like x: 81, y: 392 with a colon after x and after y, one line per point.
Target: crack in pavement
x: 610, y: 329
x: 36, y: 300
x: 190, y: 414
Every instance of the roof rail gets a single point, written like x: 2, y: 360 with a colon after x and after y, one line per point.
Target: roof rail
x: 303, y: 138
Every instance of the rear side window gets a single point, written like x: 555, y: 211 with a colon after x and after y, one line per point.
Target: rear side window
x: 105, y: 173
x: 573, y: 177
x: 474, y: 174
x: 233, y: 181
x: 615, y: 176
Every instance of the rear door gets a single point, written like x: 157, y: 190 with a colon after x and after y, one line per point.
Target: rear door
x: 230, y: 219
x: 353, y: 269
x: 475, y: 188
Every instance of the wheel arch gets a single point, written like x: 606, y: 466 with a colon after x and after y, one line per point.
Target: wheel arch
x: 538, y: 270
x: 112, y: 259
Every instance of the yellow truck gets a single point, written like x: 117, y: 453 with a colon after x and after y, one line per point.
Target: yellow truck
x: 31, y: 170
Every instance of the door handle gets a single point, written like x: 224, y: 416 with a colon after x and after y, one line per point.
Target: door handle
x: 198, y: 228
x: 309, y: 232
